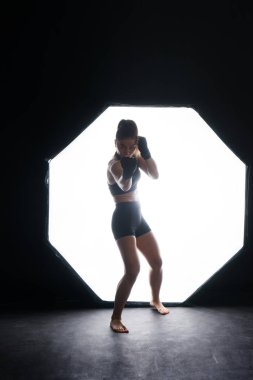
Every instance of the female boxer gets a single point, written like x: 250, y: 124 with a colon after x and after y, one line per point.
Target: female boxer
x: 129, y: 228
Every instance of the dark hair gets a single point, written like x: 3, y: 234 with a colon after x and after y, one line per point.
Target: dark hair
x: 126, y: 129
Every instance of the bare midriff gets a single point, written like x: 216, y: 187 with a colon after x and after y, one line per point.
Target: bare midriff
x: 132, y: 196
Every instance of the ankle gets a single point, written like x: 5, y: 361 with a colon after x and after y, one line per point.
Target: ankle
x: 114, y: 316
x: 156, y: 301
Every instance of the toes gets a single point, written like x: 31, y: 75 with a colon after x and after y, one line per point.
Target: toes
x: 160, y: 308
x: 123, y: 329
x: 163, y: 310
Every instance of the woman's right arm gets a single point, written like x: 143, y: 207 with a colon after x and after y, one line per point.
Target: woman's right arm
x: 122, y: 172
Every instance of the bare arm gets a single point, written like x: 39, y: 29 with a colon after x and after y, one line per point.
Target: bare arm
x: 149, y: 167
x: 116, y: 171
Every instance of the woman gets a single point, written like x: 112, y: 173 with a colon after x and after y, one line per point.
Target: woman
x: 130, y: 230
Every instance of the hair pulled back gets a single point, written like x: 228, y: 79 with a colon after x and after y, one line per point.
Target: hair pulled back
x: 127, y: 129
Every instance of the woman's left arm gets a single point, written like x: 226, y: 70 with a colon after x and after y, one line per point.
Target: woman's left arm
x: 146, y: 162
x: 149, y: 167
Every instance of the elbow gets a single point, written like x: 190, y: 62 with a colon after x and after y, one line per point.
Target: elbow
x: 125, y: 188
x: 125, y: 185
x: 154, y: 174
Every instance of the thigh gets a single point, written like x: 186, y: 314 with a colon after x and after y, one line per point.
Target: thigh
x: 128, y: 250
x: 148, y: 246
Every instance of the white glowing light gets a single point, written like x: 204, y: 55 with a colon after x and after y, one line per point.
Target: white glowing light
x: 195, y: 208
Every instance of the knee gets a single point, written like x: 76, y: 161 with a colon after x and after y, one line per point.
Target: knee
x: 132, y: 273
x: 157, y: 264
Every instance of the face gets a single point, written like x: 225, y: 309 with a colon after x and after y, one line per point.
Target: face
x: 126, y: 147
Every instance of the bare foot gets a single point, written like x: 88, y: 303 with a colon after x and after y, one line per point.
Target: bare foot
x: 159, y: 307
x: 117, y: 326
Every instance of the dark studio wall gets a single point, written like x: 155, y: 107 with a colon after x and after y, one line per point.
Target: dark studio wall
x: 62, y: 64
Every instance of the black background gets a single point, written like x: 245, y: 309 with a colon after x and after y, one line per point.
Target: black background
x: 62, y: 64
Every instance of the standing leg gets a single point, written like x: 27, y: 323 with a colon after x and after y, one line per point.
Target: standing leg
x: 148, y: 246
x: 128, y: 250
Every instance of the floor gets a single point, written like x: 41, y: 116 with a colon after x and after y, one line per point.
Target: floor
x: 190, y: 343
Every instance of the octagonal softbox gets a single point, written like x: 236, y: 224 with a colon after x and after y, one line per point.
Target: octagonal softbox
x: 196, y: 208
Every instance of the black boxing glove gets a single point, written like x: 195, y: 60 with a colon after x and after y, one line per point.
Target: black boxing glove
x: 129, y: 165
x: 143, y: 147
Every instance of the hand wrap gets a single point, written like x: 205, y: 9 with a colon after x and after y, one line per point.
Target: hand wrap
x: 143, y: 148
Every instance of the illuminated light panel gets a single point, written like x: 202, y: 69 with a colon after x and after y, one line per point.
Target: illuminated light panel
x: 196, y: 207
